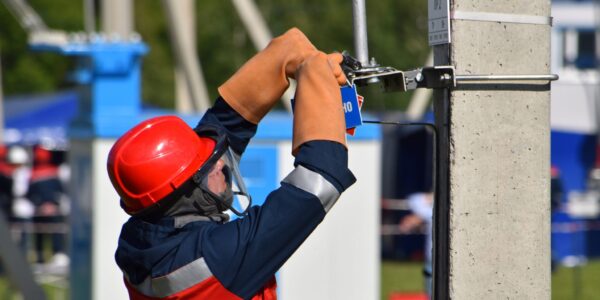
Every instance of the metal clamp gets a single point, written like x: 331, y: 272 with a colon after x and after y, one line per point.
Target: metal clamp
x: 436, y: 77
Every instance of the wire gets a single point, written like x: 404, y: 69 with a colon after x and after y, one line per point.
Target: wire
x: 398, y: 123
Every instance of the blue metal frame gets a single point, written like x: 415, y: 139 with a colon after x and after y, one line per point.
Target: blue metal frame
x: 109, y: 75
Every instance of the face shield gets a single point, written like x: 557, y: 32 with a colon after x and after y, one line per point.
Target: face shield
x: 220, y: 175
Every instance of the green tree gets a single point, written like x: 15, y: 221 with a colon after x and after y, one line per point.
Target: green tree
x: 396, y: 30
x: 397, y: 34
x: 25, y: 72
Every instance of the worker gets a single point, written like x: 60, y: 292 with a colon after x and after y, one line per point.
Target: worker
x: 177, y: 183
x: 47, y: 193
x: 6, y: 183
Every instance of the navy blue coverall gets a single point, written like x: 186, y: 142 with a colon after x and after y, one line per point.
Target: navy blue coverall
x: 199, y: 259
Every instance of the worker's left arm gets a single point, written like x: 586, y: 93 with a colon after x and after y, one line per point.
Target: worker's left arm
x: 239, y: 130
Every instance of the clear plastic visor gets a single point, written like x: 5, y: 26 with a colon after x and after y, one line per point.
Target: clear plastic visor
x: 225, y: 174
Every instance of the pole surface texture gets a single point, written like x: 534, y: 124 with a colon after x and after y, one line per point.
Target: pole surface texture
x: 499, y: 156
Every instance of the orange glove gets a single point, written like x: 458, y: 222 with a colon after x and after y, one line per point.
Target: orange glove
x: 255, y: 88
x: 318, y: 112
x: 335, y: 61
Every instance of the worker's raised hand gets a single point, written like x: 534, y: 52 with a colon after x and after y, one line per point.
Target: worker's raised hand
x: 300, y: 48
x: 335, y: 61
x: 296, y: 47
x: 255, y: 88
x: 318, y: 113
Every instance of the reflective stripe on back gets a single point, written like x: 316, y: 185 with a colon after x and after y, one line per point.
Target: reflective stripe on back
x: 312, y: 182
x: 176, y: 281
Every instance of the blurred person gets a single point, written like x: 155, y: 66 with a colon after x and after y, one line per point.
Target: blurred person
x: 47, y: 193
x: 6, y: 183
x: 177, y: 183
x: 556, y: 189
x: 556, y: 195
x: 15, y: 178
x: 421, y: 205
x: 19, y: 161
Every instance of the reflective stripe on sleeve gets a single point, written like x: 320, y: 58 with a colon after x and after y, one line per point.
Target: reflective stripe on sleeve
x: 176, y: 281
x: 312, y: 182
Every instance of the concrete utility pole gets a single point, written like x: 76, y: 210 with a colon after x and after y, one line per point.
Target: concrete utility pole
x: 494, y: 166
x: 180, y: 15
x: 117, y: 17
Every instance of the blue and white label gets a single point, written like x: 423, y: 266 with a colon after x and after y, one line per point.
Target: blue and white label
x: 351, y: 106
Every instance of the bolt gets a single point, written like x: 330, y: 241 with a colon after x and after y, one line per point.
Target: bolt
x: 419, y: 77
x: 373, y: 62
x: 445, y: 77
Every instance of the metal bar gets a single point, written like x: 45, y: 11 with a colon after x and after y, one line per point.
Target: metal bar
x: 89, y: 16
x: 394, y: 229
x: 261, y: 36
x: 186, y: 58
x: 549, y: 77
x: 186, y: 12
x: 27, y: 16
x: 361, y: 46
x: 254, y: 22
x: 441, y: 183
x: 421, y: 97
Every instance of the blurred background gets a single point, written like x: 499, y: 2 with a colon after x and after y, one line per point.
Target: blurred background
x: 41, y: 98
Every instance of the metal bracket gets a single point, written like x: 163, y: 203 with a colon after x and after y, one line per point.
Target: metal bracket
x: 436, y: 77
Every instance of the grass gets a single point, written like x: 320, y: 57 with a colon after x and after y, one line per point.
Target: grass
x: 567, y: 283
x: 577, y: 283
x: 53, y: 288
x: 401, y: 277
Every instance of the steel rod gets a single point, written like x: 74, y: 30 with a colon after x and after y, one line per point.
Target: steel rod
x: 550, y: 77
x: 361, y: 45
x: 89, y: 16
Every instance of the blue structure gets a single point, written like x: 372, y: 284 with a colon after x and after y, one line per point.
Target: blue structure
x: 34, y: 119
x: 573, y: 238
x: 109, y: 75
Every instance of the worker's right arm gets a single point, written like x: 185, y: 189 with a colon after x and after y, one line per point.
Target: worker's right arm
x: 247, y: 96
x: 257, y: 86
x: 244, y: 254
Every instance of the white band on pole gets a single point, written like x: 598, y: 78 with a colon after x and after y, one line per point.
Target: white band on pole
x: 500, y: 17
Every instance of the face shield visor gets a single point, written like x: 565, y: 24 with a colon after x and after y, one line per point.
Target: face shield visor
x: 220, y: 176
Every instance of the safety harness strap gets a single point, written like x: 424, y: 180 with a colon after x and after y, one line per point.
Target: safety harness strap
x: 312, y: 182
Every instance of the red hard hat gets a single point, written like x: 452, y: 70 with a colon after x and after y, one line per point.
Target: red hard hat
x: 153, y: 159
